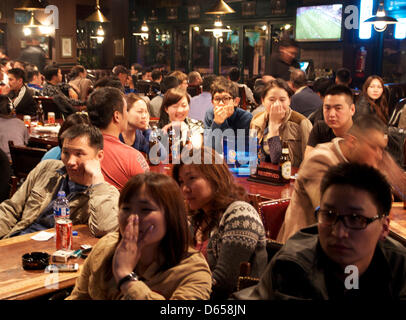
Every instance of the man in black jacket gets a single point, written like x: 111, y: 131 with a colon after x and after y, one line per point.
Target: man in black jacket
x: 19, y: 94
x: 348, y: 255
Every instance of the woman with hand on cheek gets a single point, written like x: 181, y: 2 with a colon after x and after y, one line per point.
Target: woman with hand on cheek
x: 279, y: 124
x: 149, y: 258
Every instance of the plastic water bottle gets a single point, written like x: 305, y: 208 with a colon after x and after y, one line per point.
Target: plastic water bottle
x: 61, y: 206
x: 63, y: 223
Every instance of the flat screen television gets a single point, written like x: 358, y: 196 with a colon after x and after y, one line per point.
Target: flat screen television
x: 319, y: 23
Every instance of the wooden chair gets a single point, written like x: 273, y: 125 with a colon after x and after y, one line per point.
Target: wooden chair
x: 48, y: 105
x: 273, y: 213
x: 24, y: 159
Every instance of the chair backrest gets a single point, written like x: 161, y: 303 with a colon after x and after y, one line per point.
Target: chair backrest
x: 24, y: 159
x: 273, y: 213
x: 48, y: 105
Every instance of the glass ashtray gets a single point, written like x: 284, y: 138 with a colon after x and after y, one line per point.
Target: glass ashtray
x: 35, y: 260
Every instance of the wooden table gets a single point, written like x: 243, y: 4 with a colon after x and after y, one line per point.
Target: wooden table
x: 17, y: 283
x: 42, y: 139
x: 398, y: 219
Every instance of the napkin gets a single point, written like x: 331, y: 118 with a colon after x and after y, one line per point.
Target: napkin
x: 43, y: 236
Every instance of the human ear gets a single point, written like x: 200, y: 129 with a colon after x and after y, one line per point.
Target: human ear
x: 385, y: 228
x: 236, y: 101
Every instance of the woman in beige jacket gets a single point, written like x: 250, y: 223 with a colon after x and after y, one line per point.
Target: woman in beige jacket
x: 279, y: 123
x: 149, y: 258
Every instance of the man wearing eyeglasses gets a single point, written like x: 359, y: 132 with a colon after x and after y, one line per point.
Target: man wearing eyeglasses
x: 225, y: 113
x: 348, y: 255
x: 363, y: 143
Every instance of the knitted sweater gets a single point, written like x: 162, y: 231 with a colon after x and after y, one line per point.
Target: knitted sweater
x: 239, y: 237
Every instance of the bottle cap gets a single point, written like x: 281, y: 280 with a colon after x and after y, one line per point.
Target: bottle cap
x: 61, y: 194
x: 74, y: 233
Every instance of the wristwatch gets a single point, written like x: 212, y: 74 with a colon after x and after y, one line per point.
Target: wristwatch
x: 130, y: 277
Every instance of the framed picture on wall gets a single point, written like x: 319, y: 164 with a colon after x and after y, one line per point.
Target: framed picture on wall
x: 278, y: 6
x: 119, y: 47
x: 66, y: 47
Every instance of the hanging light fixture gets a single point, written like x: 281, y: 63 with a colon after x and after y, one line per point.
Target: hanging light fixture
x: 381, y: 20
x: 144, y: 31
x: 32, y: 23
x: 31, y: 5
x: 98, y: 17
x: 218, y: 9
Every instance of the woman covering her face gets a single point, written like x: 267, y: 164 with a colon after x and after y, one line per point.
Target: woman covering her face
x: 279, y: 124
x: 149, y: 257
x: 222, y: 221
x: 373, y: 99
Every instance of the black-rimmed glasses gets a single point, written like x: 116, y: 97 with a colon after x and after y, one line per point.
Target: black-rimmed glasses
x: 353, y: 221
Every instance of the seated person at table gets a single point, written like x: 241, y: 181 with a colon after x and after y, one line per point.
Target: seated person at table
x: 5, y: 175
x: 79, y: 82
x: 167, y: 83
x: 348, y: 255
x: 364, y: 143
x: 174, y: 115
x: 11, y: 128
x: 138, y: 119
x: 20, y: 96
x: 92, y: 201
x: 75, y: 118
x: 149, y: 257
x: 53, y: 77
x: 338, y: 109
x: 107, y: 109
x: 226, y: 228
x: 34, y: 79
x: 279, y: 123
x: 225, y: 114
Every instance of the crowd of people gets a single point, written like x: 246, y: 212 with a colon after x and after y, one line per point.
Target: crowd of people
x: 184, y: 236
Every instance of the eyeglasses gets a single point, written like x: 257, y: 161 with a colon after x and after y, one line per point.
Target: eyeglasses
x: 353, y: 221
x: 225, y: 100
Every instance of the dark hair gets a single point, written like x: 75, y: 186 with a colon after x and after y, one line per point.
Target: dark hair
x: 109, y: 82
x: 4, y: 106
x: 339, y: 89
x: 137, y: 66
x: 120, y: 69
x: 23, y: 63
x: 380, y: 106
x: 171, y: 97
x: 74, y: 72
x: 225, y: 189
x: 79, y: 130
x: 31, y: 70
x: 288, y: 43
x: 71, y: 120
x: 17, y: 73
x: 50, y: 71
x: 321, y: 85
x: 156, y: 74
x: 234, y: 74
x: 168, y: 196
x: 101, y: 105
x: 364, y: 123
x: 298, y: 78
x: 131, y: 98
x: 221, y: 84
x: 362, y: 177
x: 277, y: 83
x: 343, y: 75
x: 169, y: 82
x: 208, y: 81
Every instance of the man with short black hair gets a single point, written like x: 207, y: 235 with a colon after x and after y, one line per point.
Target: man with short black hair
x: 343, y: 77
x: 234, y: 75
x: 53, y: 77
x: 167, y: 83
x: 19, y: 94
x: 123, y: 74
x: 107, y: 110
x: 338, y: 109
x: 304, y: 100
x: 349, y: 255
x: 91, y: 199
x: 34, y: 79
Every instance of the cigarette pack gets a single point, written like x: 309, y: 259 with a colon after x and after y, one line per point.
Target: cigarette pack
x: 61, y: 255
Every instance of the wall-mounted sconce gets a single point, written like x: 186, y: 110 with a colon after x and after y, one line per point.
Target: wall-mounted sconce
x: 144, y: 31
